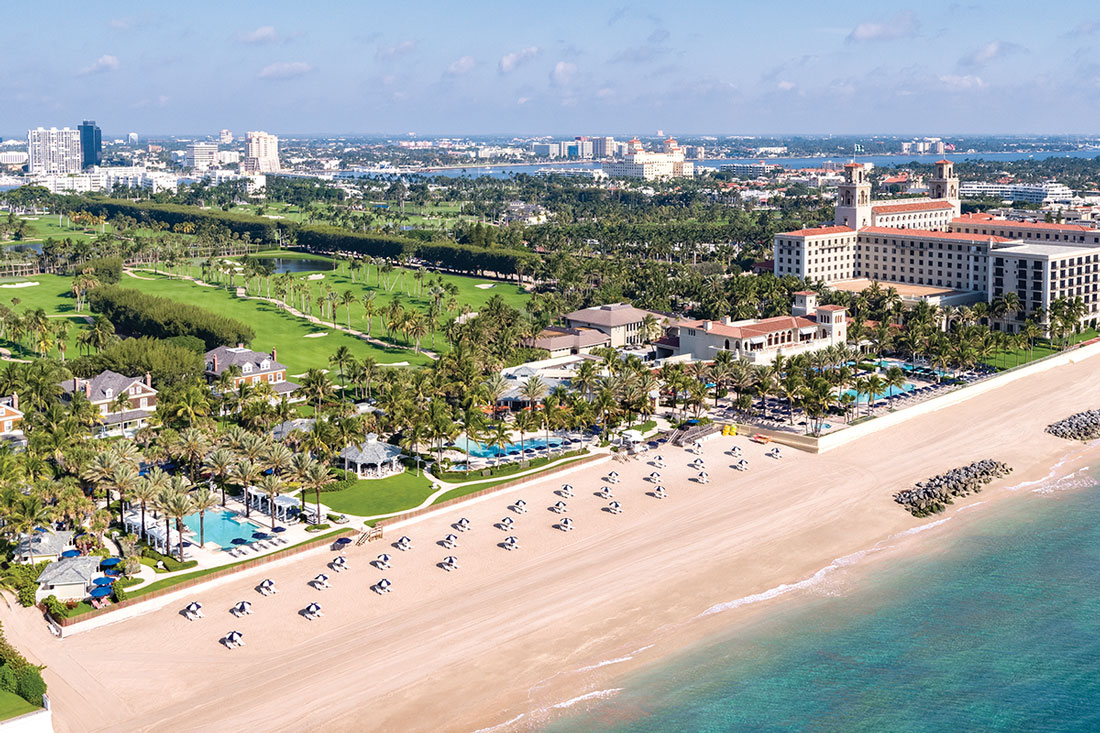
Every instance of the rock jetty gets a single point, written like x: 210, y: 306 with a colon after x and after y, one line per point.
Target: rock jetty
x: 933, y: 495
x: 1082, y: 426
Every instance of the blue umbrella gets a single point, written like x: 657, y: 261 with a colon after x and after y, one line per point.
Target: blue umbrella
x: 103, y: 581
x: 101, y: 591
x: 343, y: 540
x: 259, y: 535
x: 71, y: 553
x: 280, y: 529
x: 240, y: 541
x: 41, y: 529
x: 111, y: 562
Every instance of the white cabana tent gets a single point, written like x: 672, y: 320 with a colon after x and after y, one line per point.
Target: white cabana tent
x: 284, y: 506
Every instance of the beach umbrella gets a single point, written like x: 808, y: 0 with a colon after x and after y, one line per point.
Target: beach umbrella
x: 383, y: 558
x: 194, y: 606
x: 239, y: 541
x: 347, y: 540
x: 71, y: 553
x: 383, y: 583
x: 103, y: 581
x: 41, y: 529
x: 279, y: 529
x: 313, y: 607
x: 110, y: 562
x: 234, y: 636
x: 451, y: 560
x: 259, y: 535
x: 339, y: 560
x: 100, y: 591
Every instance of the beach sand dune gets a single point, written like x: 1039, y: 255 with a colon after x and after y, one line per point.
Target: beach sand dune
x: 514, y: 632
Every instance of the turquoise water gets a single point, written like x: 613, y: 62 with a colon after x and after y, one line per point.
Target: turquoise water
x: 997, y: 630
x: 890, y: 392
x: 220, y: 527
x: 476, y: 449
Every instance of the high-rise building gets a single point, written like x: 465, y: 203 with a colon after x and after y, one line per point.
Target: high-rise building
x: 225, y: 137
x: 263, y: 153
x: 91, y: 144
x: 132, y: 138
x: 603, y: 147
x: 53, y: 150
x: 200, y: 156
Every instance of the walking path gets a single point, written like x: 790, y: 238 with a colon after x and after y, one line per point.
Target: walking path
x: 242, y: 293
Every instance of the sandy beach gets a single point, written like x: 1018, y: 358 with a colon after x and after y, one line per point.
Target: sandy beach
x: 512, y: 634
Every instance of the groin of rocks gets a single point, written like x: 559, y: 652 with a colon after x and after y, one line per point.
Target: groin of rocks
x: 1082, y: 426
x: 933, y: 495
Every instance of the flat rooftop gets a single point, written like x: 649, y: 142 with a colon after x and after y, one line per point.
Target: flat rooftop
x: 1042, y: 249
x: 905, y: 290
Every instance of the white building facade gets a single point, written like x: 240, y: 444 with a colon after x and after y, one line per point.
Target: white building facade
x: 54, y: 151
x: 263, y: 153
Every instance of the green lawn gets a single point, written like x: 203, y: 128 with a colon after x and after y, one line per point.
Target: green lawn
x: 1042, y: 348
x: 369, y: 497
x: 46, y: 226
x: 275, y: 328
x: 407, y: 289
x: 11, y: 705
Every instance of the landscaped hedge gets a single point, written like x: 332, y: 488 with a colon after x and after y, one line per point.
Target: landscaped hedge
x: 136, y: 313
x: 258, y: 228
x: 18, y: 675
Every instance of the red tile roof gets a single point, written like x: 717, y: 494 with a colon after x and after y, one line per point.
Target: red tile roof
x: 759, y: 328
x: 945, y: 160
x: 987, y: 220
x: 915, y: 206
x: 831, y: 308
x: 817, y: 231
x: 930, y: 234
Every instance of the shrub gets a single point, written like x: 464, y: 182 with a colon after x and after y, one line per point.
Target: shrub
x: 118, y: 591
x: 169, y: 363
x: 7, y: 679
x: 317, y: 527
x: 53, y: 606
x: 134, y: 312
x: 108, y: 270
x: 29, y: 684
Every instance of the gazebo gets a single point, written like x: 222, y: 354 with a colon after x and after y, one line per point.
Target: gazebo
x: 284, y: 506
x: 372, y: 459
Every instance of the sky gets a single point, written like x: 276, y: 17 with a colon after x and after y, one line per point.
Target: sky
x: 562, y: 68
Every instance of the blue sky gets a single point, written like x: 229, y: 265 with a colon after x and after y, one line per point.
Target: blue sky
x: 568, y: 67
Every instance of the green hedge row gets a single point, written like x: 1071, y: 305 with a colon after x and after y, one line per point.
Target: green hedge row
x: 136, y: 313
x: 450, y: 255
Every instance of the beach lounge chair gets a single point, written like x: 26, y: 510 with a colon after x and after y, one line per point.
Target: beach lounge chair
x: 566, y: 525
x: 450, y: 541
x: 660, y: 492
x: 519, y: 506
x: 703, y: 477
x: 462, y: 524
x: 404, y: 544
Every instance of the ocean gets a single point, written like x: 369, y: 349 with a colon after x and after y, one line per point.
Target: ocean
x: 996, y: 628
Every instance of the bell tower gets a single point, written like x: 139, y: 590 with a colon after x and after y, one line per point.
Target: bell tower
x: 853, y: 198
x: 945, y: 185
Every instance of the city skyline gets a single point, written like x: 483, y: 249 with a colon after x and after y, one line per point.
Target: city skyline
x: 481, y: 68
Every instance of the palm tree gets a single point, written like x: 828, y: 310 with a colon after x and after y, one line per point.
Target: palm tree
x: 124, y: 479
x: 533, y: 390
x: 499, y: 437
x: 202, y: 500
x: 177, y: 505
x: 316, y: 476
x: 145, y: 492
x: 272, y: 485
x: 526, y: 422
x: 244, y: 474
x: 218, y: 463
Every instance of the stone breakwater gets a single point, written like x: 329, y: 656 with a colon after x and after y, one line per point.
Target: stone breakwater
x: 1082, y: 426
x: 933, y: 495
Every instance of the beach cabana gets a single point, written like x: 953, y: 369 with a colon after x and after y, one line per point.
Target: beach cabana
x: 284, y: 506
x: 372, y: 459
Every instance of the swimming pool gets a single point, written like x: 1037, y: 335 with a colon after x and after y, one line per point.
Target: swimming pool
x: 222, y: 527
x: 477, y: 450
x: 890, y: 392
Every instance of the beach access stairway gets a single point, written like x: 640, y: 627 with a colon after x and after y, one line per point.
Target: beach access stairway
x: 695, y: 432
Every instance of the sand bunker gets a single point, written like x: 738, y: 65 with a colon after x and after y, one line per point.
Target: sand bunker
x: 316, y: 276
x: 18, y: 285
x: 485, y: 286
x: 314, y: 335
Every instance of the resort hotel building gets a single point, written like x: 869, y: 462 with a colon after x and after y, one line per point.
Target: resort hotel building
x: 928, y: 251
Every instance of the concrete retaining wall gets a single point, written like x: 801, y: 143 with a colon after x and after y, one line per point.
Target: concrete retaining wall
x: 40, y: 721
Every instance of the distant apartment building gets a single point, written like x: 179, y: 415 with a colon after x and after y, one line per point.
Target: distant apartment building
x: 227, y: 157
x: 752, y: 170
x: 132, y: 138
x: 97, y: 178
x: 639, y: 163
x: 54, y: 150
x: 91, y: 144
x: 263, y: 153
x: 200, y: 156
x: 13, y: 157
x: 1033, y: 193
x: 603, y: 147
x: 225, y: 137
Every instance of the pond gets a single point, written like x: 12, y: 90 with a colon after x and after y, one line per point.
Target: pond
x: 295, y: 265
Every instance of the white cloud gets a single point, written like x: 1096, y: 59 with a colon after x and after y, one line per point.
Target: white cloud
x: 523, y: 100
x: 285, y: 70
x: 902, y: 25
x: 563, y: 73
x: 989, y: 52
x: 605, y: 93
x: 104, y: 63
x: 785, y: 85
x: 121, y: 24
x: 512, y: 61
x: 961, y: 83
x: 460, y: 66
x: 398, y: 49
x: 263, y: 34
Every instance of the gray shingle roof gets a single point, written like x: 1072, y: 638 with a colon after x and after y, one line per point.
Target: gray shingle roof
x: 615, y: 314
x: 239, y: 356
x: 100, y: 383
x: 371, y: 451
x: 44, y: 543
x: 70, y: 570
